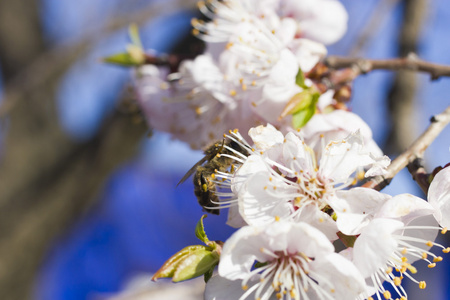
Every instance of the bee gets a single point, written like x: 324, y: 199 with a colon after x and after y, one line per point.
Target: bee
x: 205, y: 169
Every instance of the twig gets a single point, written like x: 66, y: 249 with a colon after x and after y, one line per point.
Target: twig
x: 416, y: 150
x: 411, y: 62
x: 419, y: 174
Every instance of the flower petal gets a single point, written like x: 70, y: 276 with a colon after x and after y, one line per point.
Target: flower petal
x: 439, y: 196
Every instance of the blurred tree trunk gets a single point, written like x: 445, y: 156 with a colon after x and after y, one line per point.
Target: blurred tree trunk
x: 403, y: 90
x: 21, y: 39
x: 47, y: 180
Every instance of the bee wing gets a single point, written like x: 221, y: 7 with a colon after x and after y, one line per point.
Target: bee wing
x: 192, y: 170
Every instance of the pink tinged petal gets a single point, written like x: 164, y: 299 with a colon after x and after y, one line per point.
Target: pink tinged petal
x: 280, y: 87
x: 296, y: 155
x: 324, y: 21
x: 240, y: 252
x: 308, y: 53
x: 265, y: 137
x: 286, y: 30
x: 337, y: 125
x: 342, y: 158
x: 313, y: 216
x: 356, y: 207
x: 375, y: 246
x: 306, y: 239
x: 253, y: 164
x: 235, y: 219
x: 337, y: 270
x: 259, y: 203
x: 220, y: 288
x: 405, y: 207
x: 422, y: 234
x: 439, y: 197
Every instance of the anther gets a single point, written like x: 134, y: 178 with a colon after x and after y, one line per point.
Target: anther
x: 437, y: 259
x: 422, y: 285
x: 431, y: 266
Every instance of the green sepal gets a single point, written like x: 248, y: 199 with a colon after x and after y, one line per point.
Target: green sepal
x: 208, y: 274
x: 170, y: 266
x: 200, y: 231
x: 196, y: 264
x: 122, y: 59
x: 134, y: 55
x: 347, y: 240
x: 300, y: 79
x: 305, y: 109
x: 260, y: 264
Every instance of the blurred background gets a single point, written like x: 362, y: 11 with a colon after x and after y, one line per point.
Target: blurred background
x: 88, y: 204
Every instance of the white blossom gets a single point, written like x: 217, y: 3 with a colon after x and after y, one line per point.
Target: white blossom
x: 295, y: 261
x: 439, y: 196
x: 283, y: 179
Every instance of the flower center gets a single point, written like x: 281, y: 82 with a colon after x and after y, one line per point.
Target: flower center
x: 287, y: 275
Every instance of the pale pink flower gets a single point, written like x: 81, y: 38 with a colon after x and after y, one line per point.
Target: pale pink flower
x: 296, y: 260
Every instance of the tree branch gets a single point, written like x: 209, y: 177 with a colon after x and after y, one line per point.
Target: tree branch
x: 364, y: 65
x: 416, y: 150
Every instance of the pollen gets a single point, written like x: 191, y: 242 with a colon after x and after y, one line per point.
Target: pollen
x: 431, y: 266
x: 424, y: 255
x: 397, y: 281
x: 437, y: 259
x: 446, y: 250
x: 422, y: 285
x: 387, y: 295
x: 429, y: 244
x: 195, y: 31
x: 444, y: 230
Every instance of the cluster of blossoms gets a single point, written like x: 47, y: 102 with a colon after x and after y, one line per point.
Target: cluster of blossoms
x: 247, y: 75
x: 295, y: 208
x: 306, y: 230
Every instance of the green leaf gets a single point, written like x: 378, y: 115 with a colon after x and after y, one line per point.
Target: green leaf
x: 171, y: 265
x: 133, y: 32
x: 300, y: 79
x: 195, y: 264
x: 305, y: 110
x: 200, y: 231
